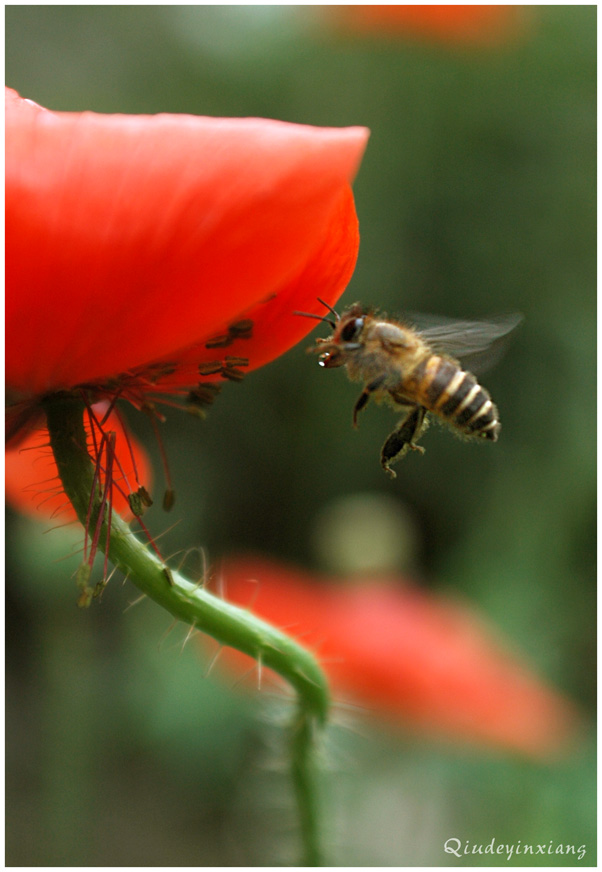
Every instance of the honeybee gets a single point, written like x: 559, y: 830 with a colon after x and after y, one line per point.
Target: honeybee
x: 417, y: 371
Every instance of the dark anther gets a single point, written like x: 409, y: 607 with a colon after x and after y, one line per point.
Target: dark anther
x: 241, y: 329
x: 210, y: 368
x: 220, y: 341
x: 204, y: 394
x: 232, y: 374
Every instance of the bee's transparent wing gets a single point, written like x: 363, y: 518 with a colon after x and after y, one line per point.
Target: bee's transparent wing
x: 477, y: 344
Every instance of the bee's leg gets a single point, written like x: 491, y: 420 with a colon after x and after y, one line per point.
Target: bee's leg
x: 365, y: 396
x: 403, y: 438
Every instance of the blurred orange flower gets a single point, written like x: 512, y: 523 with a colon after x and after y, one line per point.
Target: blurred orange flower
x: 411, y: 658
x: 452, y: 24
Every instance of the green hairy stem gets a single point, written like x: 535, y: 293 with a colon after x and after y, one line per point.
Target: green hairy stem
x: 192, y: 604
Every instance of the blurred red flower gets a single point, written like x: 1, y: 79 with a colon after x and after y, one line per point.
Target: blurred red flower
x: 452, y: 24
x: 31, y: 477
x: 147, y: 256
x: 411, y: 658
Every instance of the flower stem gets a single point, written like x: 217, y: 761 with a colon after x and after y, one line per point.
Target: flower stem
x: 191, y: 603
x: 305, y: 771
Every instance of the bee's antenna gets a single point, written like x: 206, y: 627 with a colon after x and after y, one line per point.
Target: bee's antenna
x: 317, y: 317
x: 330, y: 309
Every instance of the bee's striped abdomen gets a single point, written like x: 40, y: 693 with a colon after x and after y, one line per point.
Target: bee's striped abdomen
x: 457, y: 396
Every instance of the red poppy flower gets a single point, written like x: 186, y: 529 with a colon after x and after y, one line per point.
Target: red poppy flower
x: 151, y: 256
x: 453, y: 24
x: 411, y: 658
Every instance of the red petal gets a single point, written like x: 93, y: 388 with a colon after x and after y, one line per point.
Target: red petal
x: 276, y: 327
x: 326, y: 276
x: 409, y: 657
x: 132, y: 237
x: 33, y: 485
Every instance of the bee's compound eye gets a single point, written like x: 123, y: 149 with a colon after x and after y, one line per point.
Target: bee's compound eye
x: 352, y: 329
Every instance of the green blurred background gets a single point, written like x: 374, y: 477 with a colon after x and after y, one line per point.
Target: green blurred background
x: 476, y: 196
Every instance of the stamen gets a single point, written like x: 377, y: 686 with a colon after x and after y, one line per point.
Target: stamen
x: 102, y: 450
x: 169, y: 496
x: 204, y: 394
x: 241, y: 329
x: 132, y: 455
x: 219, y: 341
x: 232, y: 374
x: 109, y: 493
x: 139, y: 501
x: 136, y: 500
x: 210, y: 368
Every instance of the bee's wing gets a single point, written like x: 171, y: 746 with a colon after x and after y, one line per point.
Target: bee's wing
x: 477, y: 344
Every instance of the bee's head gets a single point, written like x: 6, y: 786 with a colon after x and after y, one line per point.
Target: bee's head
x: 346, y: 333
x: 345, y: 339
x: 350, y: 328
